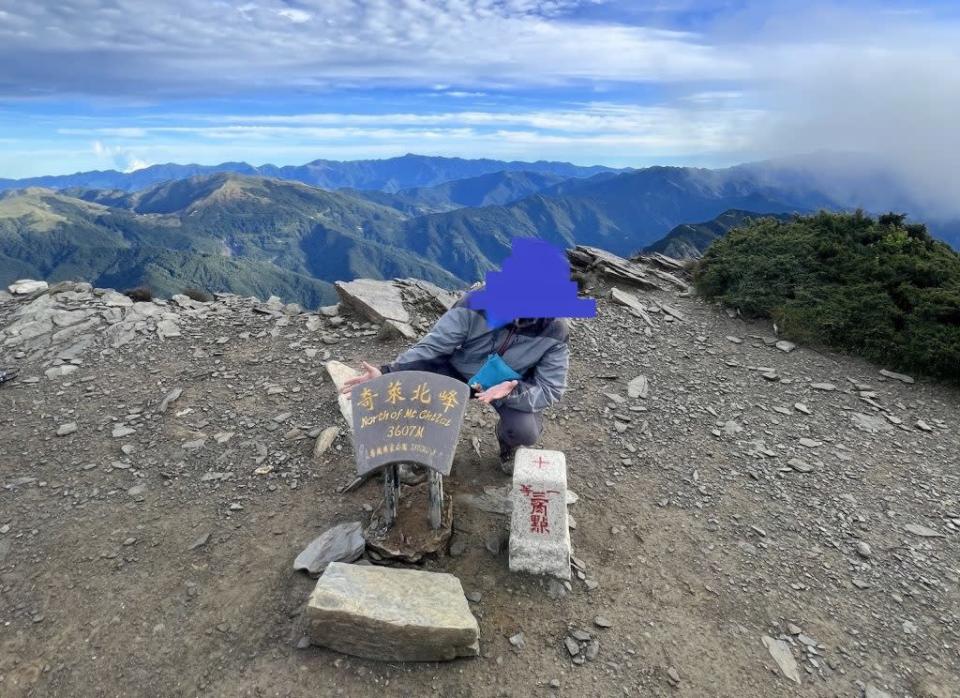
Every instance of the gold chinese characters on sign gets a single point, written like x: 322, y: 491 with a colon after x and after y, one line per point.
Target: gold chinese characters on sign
x: 408, y: 417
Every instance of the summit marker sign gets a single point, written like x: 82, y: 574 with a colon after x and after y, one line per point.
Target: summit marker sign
x: 408, y: 417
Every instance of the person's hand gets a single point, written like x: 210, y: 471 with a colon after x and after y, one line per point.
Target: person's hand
x: 495, y: 392
x: 369, y: 373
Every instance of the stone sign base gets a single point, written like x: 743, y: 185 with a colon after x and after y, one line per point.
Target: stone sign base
x: 411, y: 537
x: 392, y: 614
x: 539, y: 533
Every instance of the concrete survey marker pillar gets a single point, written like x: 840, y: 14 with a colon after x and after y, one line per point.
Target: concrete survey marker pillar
x: 539, y: 534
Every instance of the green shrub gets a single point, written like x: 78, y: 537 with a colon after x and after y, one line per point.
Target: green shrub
x: 198, y: 295
x: 883, y: 289
x: 140, y: 294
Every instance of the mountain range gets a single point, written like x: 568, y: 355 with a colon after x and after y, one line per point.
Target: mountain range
x: 389, y: 175
x: 260, y: 235
x: 690, y: 240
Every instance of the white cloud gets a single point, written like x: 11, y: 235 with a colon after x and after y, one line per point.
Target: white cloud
x: 119, y: 157
x: 294, y: 15
x: 196, y: 46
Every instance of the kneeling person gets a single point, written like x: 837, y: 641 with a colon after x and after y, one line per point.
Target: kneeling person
x: 460, y: 345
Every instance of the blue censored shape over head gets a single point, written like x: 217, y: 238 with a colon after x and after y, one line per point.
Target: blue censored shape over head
x: 534, y: 283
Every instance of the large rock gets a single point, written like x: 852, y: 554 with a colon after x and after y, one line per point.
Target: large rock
x: 23, y: 287
x: 378, y: 301
x: 400, y: 306
x: 340, y: 373
x: 642, y: 272
x: 342, y: 543
x: 392, y: 614
x: 539, y: 532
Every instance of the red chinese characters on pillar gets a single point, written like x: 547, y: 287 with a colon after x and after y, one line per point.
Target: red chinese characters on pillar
x: 539, y: 500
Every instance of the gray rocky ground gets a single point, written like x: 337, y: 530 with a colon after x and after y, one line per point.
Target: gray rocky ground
x: 752, y: 520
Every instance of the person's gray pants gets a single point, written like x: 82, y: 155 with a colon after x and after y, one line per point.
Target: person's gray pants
x: 515, y: 428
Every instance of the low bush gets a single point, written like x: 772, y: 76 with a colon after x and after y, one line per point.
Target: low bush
x: 140, y: 294
x: 198, y: 295
x: 881, y: 288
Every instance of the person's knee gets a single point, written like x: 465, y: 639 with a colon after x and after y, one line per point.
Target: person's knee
x: 522, y: 429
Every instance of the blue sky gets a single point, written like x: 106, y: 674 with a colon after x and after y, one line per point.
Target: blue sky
x: 98, y: 84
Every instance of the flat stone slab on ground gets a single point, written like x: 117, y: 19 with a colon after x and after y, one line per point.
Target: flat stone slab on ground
x: 539, y: 532
x: 392, y: 614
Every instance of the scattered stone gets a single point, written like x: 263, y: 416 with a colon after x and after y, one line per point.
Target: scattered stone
x: 200, y: 542
x: 573, y: 647
x: 780, y: 651
x: 168, y: 399
x: 800, y: 407
x: 923, y: 426
x: 896, y: 376
x: 66, y: 429
x: 673, y: 675
x: 602, y: 622
x: 785, y: 346
x: 325, y: 441
x: 863, y: 550
x: 122, y: 430
x: 810, y: 443
x: 871, y: 691
x: 639, y: 387
x: 194, y: 445
x: 342, y: 543
x: 672, y: 312
x: 871, y: 424
x: 800, y: 466
x: 922, y: 531
x: 518, y: 641
x: 823, y: 386
x: 392, y: 614
x: 60, y: 371
x: 731, y: 428
x: 735, y: 340
x: 474, y: 597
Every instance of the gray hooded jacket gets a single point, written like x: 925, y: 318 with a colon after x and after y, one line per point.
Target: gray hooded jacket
x: 539, y: 353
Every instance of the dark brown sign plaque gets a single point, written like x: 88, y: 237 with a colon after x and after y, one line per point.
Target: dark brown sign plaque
x: 408, y: 417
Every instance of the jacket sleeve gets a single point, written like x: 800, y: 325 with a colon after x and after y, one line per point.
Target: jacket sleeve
x: 450, y: 332
x: 545, y: 386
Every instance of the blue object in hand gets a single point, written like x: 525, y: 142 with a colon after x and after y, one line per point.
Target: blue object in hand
x: 493, y: 372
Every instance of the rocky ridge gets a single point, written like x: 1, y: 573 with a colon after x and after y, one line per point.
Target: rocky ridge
x: 752, y: 517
